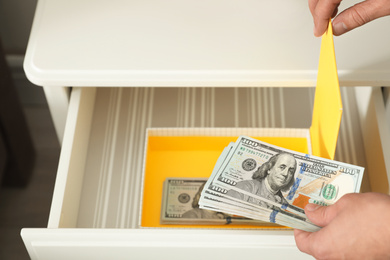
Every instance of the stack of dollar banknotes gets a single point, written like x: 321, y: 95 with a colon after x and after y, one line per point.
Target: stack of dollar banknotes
x: 260, y: 181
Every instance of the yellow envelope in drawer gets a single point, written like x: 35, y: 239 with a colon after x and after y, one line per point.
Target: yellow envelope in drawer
x: 192, y: 152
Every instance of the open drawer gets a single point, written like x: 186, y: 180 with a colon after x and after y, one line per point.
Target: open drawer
x: 96, y: 204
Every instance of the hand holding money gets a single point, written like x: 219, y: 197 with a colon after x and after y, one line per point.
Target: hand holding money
x: 356, y: 227
x: 269, y: 183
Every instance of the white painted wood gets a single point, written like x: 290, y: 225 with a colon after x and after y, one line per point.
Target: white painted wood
x: 66, y: 196
x: 159, y: 244
x: 376, y: 136
x: 58, y: 101
x: 383, y: 126
x: 386, y: 96
x: 192, y: 43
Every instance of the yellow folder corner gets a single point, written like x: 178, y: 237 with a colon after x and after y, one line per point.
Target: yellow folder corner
x: 327, y: 108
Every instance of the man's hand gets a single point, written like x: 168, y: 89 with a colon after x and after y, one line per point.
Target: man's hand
x: 354, y: 16
x: 355, y: 227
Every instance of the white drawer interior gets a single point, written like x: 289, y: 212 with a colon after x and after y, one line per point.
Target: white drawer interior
x: 100, y: 171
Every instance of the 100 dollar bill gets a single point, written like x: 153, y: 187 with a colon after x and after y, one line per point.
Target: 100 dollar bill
x: 277, y: 179
x: 180, y: 205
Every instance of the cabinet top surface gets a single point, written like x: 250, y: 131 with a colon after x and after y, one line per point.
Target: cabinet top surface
x: 194, y: 43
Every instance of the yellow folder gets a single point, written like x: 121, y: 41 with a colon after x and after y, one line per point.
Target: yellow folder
x: 327, y: 109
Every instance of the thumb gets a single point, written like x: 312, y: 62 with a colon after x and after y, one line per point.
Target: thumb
x: 359, y: 15
x: 321, y: 215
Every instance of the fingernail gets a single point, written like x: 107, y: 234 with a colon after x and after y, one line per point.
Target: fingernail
x: 315, y: 32
x: 311, y: 207
x: 339, y: 28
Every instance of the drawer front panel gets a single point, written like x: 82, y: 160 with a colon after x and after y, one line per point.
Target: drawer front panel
x: 158, y: 244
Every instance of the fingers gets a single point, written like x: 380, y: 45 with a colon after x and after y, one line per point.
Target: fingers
x: 314, y: 244
x: 359, y: 15
x: 312, y: 6
x: 322, y: 11
x: 303, y: 240
x: 311, y: 242
x: 351, y: 18
x: 321, y: 215
x: 317, y: 244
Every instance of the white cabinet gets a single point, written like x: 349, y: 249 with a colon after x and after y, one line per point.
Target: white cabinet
x: 138, y: 64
